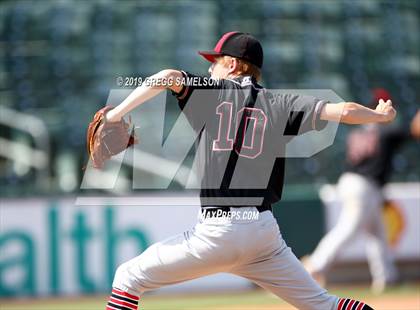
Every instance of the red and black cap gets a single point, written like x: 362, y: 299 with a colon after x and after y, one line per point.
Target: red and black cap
x: 237, y: 44
x: 379, y: 93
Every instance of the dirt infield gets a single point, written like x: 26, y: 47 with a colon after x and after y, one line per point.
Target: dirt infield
x: 385, y: 303
x: 378, y: 303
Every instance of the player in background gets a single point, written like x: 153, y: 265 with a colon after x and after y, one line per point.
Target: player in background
x: 253, y: 249
x: 369, y: 153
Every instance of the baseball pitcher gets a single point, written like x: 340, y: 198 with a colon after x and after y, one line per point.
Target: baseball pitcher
x: 236, y: 119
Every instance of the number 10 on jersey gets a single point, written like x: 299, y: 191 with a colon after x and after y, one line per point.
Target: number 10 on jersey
x: 252, y: 137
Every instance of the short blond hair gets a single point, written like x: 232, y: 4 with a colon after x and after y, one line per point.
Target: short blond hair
x: 244, y: 67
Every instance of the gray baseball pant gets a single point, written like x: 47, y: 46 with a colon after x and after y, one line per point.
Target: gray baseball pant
x: 251, y: 248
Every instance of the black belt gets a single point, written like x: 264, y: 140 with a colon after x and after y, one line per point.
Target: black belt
x: 226, y: 209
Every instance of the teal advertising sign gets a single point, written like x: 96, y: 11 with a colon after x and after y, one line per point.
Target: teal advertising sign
x: 49, y: 248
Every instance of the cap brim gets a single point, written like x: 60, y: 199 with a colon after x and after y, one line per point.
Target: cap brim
x: 210, y: 55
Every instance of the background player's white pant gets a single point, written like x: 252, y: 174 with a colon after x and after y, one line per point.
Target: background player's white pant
x: 253, y: 249
x: 362, y: 203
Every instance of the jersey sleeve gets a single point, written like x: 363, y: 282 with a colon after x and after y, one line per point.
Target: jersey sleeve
x: 191, y: 82
x: 301, y: 113
x: 197, y: 97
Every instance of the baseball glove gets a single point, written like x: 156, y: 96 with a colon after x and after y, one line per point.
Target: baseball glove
x: 106, y: 139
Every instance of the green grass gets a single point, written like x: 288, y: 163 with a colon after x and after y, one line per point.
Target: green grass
x: 160, y: 302
x: 192, y: 302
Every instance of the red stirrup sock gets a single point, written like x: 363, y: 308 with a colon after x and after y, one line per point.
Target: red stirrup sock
x: 120, y: 300
x: 351, y: 304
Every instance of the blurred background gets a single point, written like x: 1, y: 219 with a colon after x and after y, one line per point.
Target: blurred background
x: 60, y: 59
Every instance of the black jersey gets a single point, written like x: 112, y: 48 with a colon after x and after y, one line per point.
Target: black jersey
x: 371, y: 148
x: 243, y: 130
